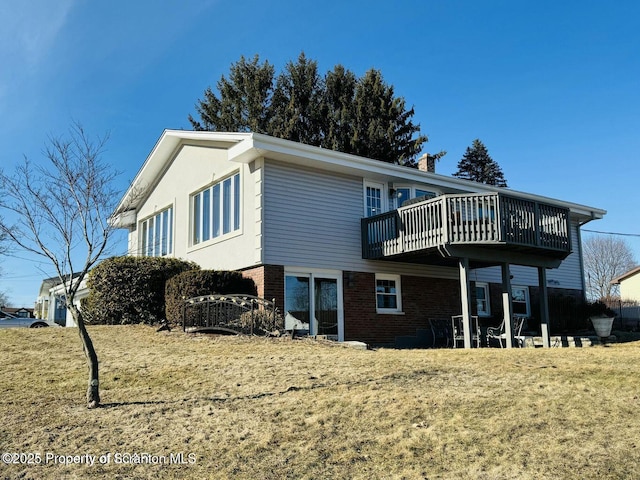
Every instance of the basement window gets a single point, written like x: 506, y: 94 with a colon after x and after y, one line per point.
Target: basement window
x: 482, y: 299
x: 520, y: 300
x: 388, y: 294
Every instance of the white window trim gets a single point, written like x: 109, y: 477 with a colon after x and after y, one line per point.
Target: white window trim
x: 526, y: 297
x: 485, y: 286
x: 398, y: 280
x: 384, y: 196
x: 312, y: 274
x: 143, y: 233
x: 223, y: 236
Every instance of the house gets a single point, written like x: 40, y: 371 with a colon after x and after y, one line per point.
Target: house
x: 13, y: 312
x: 350, y: 247
x: 51, y: 303
x: 629, y: 285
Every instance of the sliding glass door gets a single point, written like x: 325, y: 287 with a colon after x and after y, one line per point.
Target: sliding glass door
x: 313, y: 303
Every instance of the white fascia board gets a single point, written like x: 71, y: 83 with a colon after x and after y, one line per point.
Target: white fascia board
x: 161, y: 155
x: 247, y: 147
x: 124, y: 219
x: 258, y: 145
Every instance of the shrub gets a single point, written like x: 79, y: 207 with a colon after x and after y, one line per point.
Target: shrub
x: 125, y: 290
x: 203, y: 282
x: 597, y: 309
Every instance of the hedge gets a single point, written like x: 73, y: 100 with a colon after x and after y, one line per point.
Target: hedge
x: 126, y: 290
x: 203, y: 282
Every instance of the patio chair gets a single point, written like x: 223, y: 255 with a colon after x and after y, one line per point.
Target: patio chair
x: 498, y: 333
x: 441, y: 331
x: 457, y: 327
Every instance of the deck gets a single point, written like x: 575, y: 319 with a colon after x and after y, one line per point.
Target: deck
x: 491, y: 227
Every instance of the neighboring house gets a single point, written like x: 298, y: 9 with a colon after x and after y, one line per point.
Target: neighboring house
x: 51, y: 303
x: 44, y: 297
x: 12, y: 312
x: 320, y: 232
x: 629, y: 285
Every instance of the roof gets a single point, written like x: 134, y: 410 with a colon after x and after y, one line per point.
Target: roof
x: 625, y: 276
x: 247, y: 147
x: 49, y: 283
x: 13, y: 311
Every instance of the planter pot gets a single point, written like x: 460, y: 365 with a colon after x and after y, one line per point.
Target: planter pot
x: 602, y: 325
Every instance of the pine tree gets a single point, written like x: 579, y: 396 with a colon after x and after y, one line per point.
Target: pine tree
x: 477, y: 165
x: 338, y: 111
x: 296, y: 103
x: 244, y: 102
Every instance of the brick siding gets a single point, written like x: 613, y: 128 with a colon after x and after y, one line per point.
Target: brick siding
x: 269, y: 280
x: 422, y: 299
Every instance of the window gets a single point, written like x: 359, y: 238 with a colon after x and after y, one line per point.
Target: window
x: 404, y: 193
x: 216, y: 210
x: 388, y: 295
x: 482, y: 299
x: 520, y: 300
x: 373, y: 199
x: 156, y: 234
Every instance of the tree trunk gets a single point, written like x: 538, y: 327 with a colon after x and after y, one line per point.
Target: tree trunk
x: 93, y: 389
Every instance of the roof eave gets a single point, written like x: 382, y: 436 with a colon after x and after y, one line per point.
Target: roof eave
x: 258, y: 145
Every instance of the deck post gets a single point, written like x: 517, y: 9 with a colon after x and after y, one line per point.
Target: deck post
x: 507, y: 306
x: 544, y: 307
x: 465, y: 298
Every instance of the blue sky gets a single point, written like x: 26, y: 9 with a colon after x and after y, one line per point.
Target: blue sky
x: 551, y: 88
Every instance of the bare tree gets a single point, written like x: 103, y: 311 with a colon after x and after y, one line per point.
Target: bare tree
x: 4, y: 299
x: 61, y: 211
x: 605, y: 258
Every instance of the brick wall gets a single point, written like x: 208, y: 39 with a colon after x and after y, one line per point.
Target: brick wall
x: 269, y: 280
x: 422, y: 299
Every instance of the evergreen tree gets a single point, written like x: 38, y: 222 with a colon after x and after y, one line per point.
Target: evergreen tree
x: 383, y: 127
x: 477, y: 165
x: 340, y: 111
x: 244, y: 102
x: 296, y: 103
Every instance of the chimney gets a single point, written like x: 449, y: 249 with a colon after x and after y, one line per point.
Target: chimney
x: 427, y: 163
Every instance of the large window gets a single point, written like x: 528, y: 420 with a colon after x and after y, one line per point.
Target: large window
x: 216, y: 210
x: 156, y: 234
x: 388, y: 295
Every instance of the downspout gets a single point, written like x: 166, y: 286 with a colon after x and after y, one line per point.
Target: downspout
x: 584, y: 284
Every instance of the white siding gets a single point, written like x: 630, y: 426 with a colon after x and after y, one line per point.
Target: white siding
x: 567, y: 275
x: 192, y: 169
x: 312, y: 219
x: 630, y: 288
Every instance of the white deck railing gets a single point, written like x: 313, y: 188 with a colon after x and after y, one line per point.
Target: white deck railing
x: 468, y: 219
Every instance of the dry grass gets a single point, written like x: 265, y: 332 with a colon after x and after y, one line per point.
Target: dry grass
x: 260, y: 408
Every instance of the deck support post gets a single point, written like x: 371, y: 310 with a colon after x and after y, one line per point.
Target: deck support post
x: 544, y: 307
x: 507, y: 306
x: 465, y: 298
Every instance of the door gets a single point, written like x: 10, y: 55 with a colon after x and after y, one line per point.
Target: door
x: 325, y: 292
x: 313, y: 303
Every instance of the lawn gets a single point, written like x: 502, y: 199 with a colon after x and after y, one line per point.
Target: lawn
x: 182, y: 406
